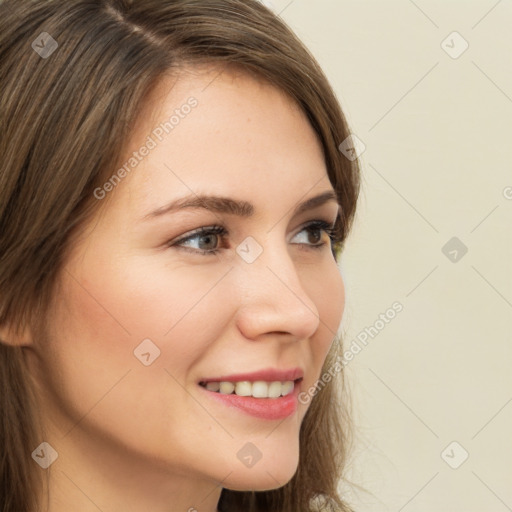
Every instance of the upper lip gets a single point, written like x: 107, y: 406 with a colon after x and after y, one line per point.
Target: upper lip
x: 268, y: 375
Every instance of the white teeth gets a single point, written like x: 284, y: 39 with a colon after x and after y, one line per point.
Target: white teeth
x: 287, y: 387
x: 258, y: 389
x: 243, y: 388
x: 226, y: 388
x: 275, y: 389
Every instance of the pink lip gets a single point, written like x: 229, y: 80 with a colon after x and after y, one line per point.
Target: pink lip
x: 265, y: 408
x: 268, y: 375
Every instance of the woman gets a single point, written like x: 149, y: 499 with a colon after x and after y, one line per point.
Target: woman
x: 172, y: 206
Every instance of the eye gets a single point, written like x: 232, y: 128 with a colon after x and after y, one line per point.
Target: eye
x: 316, y: 231
x: 205, y: 240
x: 206, y: 237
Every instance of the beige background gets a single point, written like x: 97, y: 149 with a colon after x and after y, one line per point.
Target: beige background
x: 437, y: 165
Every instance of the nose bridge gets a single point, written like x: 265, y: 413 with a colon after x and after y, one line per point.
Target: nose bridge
x: 274, y: 298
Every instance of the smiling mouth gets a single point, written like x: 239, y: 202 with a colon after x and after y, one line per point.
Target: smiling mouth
x: 255, y: 389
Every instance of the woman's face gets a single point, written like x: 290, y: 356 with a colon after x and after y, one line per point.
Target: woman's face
x: 145, y: 313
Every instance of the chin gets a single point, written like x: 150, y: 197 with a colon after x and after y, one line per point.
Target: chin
x: 264, y: 475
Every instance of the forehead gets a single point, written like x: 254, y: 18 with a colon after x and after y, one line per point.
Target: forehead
x: 216, y: 131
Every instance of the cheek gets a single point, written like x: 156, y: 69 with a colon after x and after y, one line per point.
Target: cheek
x: 330, y: 293
x: 335, y: 298
x: 329, y: 297
x: 140, y: 297
x: 177, y: 308
x: 87, y: 347
x: 91, y: 372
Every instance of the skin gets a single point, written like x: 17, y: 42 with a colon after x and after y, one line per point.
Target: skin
x: 132, y: 437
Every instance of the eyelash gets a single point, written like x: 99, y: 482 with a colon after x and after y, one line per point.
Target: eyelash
x: 222, y: 232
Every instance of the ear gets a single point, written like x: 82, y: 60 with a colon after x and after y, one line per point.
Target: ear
x: 9, y: 337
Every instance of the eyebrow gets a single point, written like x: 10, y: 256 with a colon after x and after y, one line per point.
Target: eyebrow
x: 220, y: 204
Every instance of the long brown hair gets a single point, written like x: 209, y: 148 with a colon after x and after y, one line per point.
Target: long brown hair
x: 66, y: 107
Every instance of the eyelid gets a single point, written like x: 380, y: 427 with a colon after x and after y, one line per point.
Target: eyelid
x: 223, y: 233
x: 219, y: 227
x: 197, y: 231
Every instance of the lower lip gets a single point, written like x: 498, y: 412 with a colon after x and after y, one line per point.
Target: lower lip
x: 265, y: 408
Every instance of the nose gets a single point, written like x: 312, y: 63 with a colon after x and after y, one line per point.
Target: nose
x: 274, y: 299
